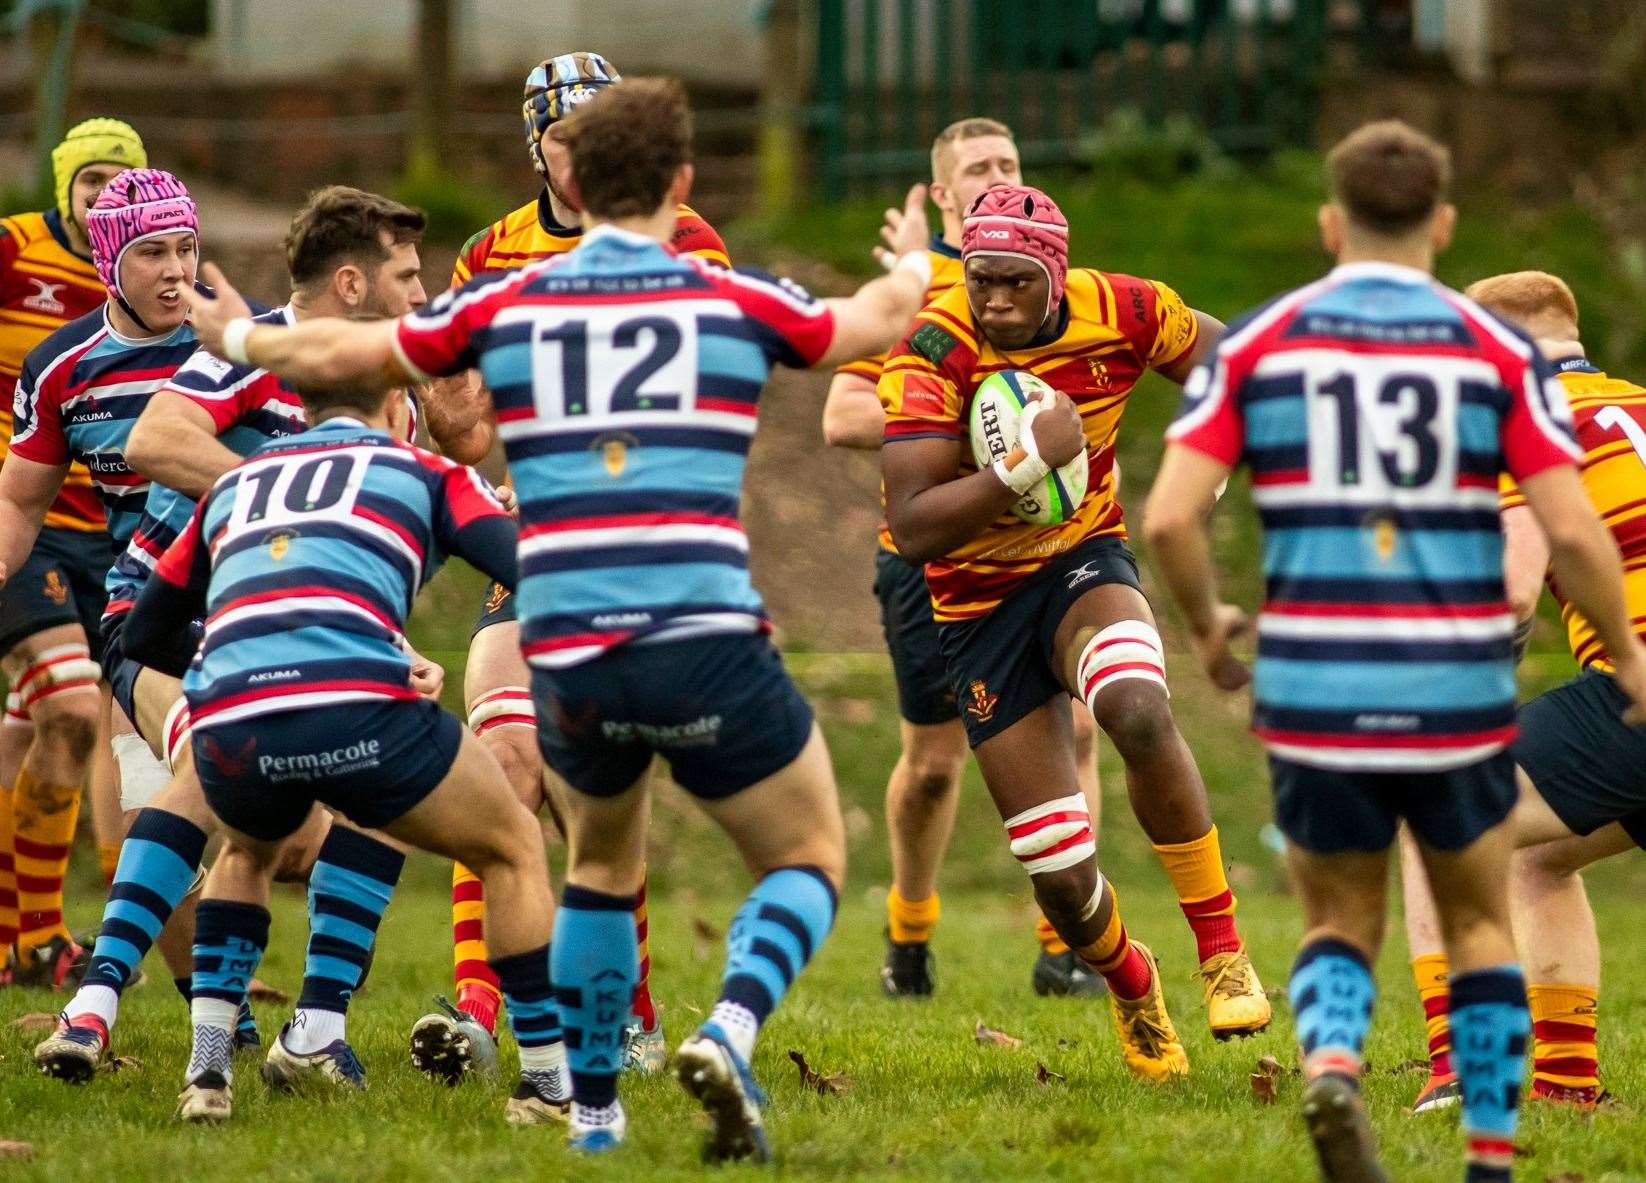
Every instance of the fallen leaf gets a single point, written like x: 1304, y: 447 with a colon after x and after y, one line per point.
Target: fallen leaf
x: 1276, y: 994
x: 122, y: 1064
x: 988, y: 1035
x: 260, y: 991
x: 831, y: 1085
x: 706, y: 930
x: 1242, y: 875
x: 38, y: 1021
x: 1045, y: 1075
x: 1266, y: 1080
x: 1406, y: 1066
x: 16, y: 1149
x: 1567, y: 1177
x: 1064, y: 1045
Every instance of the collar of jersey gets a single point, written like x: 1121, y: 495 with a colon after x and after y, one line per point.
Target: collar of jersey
x: 54, y: 223
x: 344, y: 421
x: 939, y: 247
x: 547, y: 220
x: 1370, y: 269
x: 607, y: 230
x: 140, y: 342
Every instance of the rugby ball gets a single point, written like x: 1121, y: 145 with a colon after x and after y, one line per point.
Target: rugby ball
x: 997, y: 409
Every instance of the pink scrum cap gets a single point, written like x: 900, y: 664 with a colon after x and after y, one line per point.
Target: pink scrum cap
x: 1023, y: 223
x: 139, y: 203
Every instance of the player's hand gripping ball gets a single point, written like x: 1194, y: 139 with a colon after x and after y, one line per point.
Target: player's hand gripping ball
x: 997, y: 419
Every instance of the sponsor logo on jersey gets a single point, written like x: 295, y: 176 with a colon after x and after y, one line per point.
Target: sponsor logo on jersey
x: 982, y: 704
x: 932, y: 343
x: 1091, y: 570
x: 44, y: 297
x: 622, y: 619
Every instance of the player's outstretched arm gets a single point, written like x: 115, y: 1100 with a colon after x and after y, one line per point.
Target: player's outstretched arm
x: 852, y: 414
x: 458, y: 413
x: 1584, y: 558
x: 873, y: 319
x: 174, y: 443
x: 1174, y: 522
x: 26, y: 491
x: 325, y: 353
x: 933, y: 511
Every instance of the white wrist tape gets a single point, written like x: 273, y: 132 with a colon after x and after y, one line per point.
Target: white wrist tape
x: 919, y: 262
x: 1031, y: 470
x: 234, y: 340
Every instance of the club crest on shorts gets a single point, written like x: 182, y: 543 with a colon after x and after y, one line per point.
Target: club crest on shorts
x: 55, y: 589
x: 982, y: 704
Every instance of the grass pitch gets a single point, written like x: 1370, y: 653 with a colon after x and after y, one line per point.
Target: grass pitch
x: 919, y: 1095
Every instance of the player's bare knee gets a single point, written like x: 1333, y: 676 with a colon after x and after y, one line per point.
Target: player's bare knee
x: 515, y: 750
x: 1137, y: 718
x: 1065, y: 895
x: 67, y: 723
x: 932, y: 779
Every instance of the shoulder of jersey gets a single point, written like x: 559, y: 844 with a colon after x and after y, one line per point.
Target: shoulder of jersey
x: 26, y: 227
x: 76, y: 333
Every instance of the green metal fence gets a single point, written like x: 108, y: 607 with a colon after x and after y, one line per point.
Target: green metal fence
x: 891, y: 73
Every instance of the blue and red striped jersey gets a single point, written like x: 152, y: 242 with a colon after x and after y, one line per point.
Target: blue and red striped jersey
x: 307, y: 556
x: 1375, y: 409
x: 80, y: 391
x: 248, y: 407
x: 626, y: 380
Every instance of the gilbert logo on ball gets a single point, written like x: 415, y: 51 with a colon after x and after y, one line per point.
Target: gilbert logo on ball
x: 997, y: 413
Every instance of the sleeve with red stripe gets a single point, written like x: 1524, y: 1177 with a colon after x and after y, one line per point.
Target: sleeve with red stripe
x: 920, y: 384
x: 438, y: 338
x: 36, y: 413
x: 469, y: 521
x: 1537, y: 433
x: 694, y: 236
x: 1209, y: 418
x: 794, y: 328
x: 224, y: 390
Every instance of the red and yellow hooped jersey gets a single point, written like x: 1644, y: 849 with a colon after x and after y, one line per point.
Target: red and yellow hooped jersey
x: 1610, y: 416
x: 1117, y: 326
x: 43, y: 286
x: 530, y: 233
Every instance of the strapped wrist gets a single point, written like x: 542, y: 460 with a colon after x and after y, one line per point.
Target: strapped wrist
x: 234, y: 340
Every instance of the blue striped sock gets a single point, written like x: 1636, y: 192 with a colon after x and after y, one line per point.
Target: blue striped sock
x: 774, y: 934
x: 229, y: 939
x: 1332, y: 994
x: 1490, y: 1024
x: 157, y: 863
x: 349, y: 888
x: 596, y: 963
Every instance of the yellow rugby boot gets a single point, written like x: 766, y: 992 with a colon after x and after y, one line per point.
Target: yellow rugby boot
x: 1148, y: 1041
x: 1236, y: 1005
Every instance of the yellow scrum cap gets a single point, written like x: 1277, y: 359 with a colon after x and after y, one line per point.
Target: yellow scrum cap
x: 95, y: 141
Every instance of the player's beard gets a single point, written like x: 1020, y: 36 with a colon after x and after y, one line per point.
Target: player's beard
x: 559, y: 194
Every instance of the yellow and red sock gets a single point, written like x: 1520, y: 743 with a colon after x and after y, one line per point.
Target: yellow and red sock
x: 1564, y: 1062
x: 1429, y: 971
x: 108, y: 858
x: 478, y: 993
x: 641, y: 1005
x: 1115, y: 957
x: 911, y: 922
x: 8, y: 875
x: 1196, y: 871
x: 1050, y: 943
x: 42, y: 833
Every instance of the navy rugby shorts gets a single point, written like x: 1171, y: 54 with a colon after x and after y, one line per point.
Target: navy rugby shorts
x: 1586, y: 762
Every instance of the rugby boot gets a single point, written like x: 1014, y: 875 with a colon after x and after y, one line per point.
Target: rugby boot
x: 1236, y: 1005
x: 907, y: 972
x: 643, y: 1048
x: 1063, y: 975
x: 541, y: 1098
x: 74, y: 1050
x: 1584, y: 1099
x: 208, y: 1098
x: 597, y: 1139
x: 1335, y: 1114
x: 51, y: 966
x: 448, y: 1043
x: 335, y: 1065
x: 709, y: 1068
x: 1148, y: 1041
x: 1439, y: 1092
